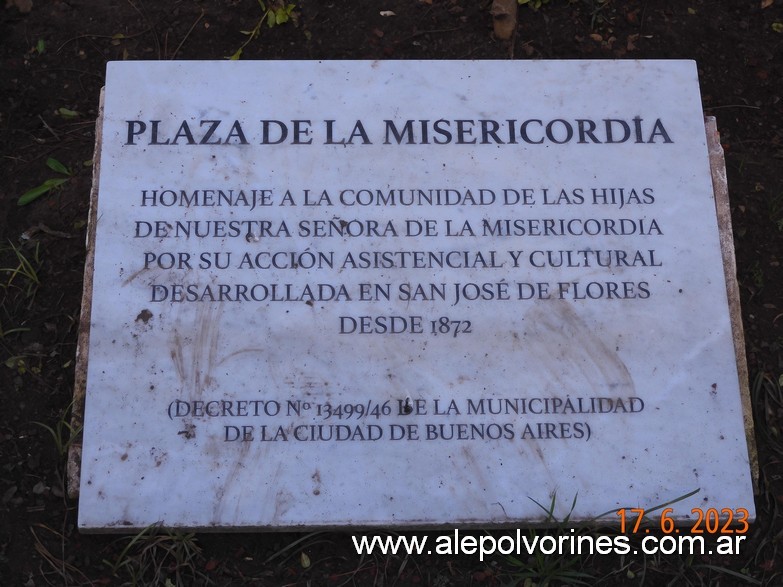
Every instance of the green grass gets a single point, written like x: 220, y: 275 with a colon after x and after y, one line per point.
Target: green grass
x: 22, y: 272
x: 62, y: 432
x: 156, y: 556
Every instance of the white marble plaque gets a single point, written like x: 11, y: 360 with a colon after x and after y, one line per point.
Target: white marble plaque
x: 406, y: 294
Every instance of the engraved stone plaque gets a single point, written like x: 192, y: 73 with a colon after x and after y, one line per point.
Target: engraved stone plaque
x: 409, y: 294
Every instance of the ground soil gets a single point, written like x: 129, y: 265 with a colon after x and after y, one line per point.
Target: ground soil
x: 52, y: 62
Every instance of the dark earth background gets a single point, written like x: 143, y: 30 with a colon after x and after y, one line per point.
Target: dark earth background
x: 53, y: 55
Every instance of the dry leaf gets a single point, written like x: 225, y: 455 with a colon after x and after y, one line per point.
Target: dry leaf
x: 504, y: 15
x: 767, y: 3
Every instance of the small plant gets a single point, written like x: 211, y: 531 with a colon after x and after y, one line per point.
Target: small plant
x: 18, y: 364
x: 158, y: 557
x: 49, y: 184
x: 36, y: 50
x: 542, y: 569
x: 597, y: 13
x: 63, y: 433
x: 275, y: 13
x: 25, y: 275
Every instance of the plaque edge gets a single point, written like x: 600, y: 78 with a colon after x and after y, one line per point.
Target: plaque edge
x: 73, y: 467
x: 720, y: 190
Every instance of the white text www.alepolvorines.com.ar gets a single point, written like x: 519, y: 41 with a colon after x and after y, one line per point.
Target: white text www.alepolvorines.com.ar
x: 519, y: 544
